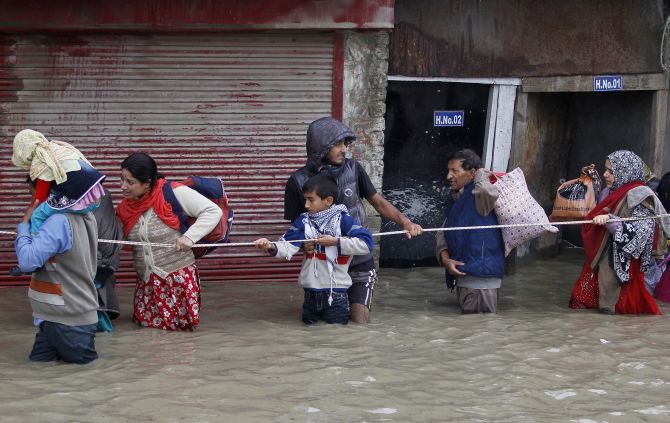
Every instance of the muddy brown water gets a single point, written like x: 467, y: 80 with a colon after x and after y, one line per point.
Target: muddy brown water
x: 419, y: 360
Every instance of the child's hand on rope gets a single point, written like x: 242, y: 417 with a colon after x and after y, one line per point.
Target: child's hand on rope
x: 263, y: 244
x: 326, y: 240
x: 308, y: 247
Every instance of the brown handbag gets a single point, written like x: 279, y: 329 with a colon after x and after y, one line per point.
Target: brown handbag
x: 577, y: 197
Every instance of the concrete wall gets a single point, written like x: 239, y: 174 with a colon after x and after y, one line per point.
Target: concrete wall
x: 512, y: 38
x: 541, y: 147
x: 365, y: 67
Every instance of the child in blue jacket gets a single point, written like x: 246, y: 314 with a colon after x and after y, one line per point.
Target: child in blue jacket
x: 339, y: 237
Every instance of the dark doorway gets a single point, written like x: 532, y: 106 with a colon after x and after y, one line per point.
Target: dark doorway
x: 601, y: 123
x: 415, y: 155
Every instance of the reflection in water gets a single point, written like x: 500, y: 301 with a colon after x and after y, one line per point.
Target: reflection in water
x: 419, y: 360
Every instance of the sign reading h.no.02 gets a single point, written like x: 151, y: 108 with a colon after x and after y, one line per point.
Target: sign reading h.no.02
x: 448, y: 118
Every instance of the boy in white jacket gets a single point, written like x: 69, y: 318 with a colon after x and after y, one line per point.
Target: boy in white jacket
x: 338, y: 237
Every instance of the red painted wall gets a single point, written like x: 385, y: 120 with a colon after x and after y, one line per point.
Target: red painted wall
x: 195, y: 15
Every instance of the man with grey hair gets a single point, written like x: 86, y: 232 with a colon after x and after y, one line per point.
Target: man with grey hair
x: 473, y: 259
x: 328, y: 141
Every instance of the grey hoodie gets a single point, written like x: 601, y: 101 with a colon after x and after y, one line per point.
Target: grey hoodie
x: 322, y: 135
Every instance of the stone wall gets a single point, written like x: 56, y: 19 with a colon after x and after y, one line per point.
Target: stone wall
x: 365, y: 67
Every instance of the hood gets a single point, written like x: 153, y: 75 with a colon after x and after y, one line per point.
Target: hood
x: 322, y: 134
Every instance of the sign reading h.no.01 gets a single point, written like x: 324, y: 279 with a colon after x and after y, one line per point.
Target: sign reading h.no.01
x: 608, y: 83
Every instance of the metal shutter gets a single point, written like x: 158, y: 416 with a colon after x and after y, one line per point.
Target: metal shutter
x: 229, y: 105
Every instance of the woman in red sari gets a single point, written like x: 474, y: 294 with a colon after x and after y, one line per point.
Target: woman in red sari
x: 617, y: 253
x: 167, y: 293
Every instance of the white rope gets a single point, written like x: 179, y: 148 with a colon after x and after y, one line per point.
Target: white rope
x: 458, y: 228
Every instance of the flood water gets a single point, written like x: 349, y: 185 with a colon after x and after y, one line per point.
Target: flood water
x: 419, y: 360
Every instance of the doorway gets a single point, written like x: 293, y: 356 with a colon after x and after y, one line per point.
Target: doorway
x: 415, y: 153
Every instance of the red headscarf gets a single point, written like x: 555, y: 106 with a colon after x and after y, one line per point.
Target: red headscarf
x: 129, y: 211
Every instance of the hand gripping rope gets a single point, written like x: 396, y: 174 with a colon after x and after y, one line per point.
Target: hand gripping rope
x: 460, y: 228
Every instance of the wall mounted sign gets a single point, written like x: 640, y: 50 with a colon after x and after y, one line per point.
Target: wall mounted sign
x: 608, y: 83
x: 448, y: 118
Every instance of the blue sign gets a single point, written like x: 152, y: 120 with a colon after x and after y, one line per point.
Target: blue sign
x: 448, y: 118
x: 607, y: 83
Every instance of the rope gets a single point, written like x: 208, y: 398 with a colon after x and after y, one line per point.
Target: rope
x: 458, y: 228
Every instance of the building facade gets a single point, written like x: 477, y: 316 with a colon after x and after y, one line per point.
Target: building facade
x: 527, y: 77
x: 209, y: 88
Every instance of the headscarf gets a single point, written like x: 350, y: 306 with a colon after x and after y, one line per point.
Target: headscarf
x: 626, y: 167
x: 47, y: 160
x: 129, y: 211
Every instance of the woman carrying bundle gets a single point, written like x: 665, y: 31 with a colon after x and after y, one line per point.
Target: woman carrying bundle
x: 167, y: 294
x: 618, y: 252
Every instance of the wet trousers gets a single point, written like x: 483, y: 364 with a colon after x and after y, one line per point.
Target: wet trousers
x: 72, y: 344
x: 478, y: 300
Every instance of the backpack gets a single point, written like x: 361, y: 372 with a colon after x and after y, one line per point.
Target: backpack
x: 213, y: 189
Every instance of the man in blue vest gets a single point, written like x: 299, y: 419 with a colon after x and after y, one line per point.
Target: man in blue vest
x: 328, y: 140
x: 474, y: 259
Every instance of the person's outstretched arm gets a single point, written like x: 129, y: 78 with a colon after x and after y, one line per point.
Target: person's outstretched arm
x: 387, y: 210
x: 390, y: 212
x: 286, y: 247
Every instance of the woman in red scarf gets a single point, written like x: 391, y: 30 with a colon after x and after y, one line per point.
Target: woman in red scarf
x: 617, y: 253
x: 167, y: 294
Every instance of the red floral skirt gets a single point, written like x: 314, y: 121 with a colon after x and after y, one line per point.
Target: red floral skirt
x: 633, y: 298
x: 172, y: 303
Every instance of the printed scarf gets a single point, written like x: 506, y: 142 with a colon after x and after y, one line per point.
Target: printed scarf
x: 129, y: 211
x: 327, y: 222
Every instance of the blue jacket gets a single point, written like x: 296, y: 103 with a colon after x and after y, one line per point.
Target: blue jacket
x: 481, y: 250
x: 327, y: 267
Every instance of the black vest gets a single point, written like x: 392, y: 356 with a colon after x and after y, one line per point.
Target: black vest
x: 347, y: 183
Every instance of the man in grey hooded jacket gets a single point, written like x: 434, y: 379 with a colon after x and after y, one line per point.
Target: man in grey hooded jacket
x: 328, y: 140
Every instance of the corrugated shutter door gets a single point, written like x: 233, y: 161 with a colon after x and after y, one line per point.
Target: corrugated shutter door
x: 230, y: 105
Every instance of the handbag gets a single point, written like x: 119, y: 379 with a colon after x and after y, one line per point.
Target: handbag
x: 515, y: 205
x: 577, y: 197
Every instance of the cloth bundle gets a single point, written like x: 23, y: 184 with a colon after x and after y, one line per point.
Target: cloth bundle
x: 515, y: 205
x: 46, y: 160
